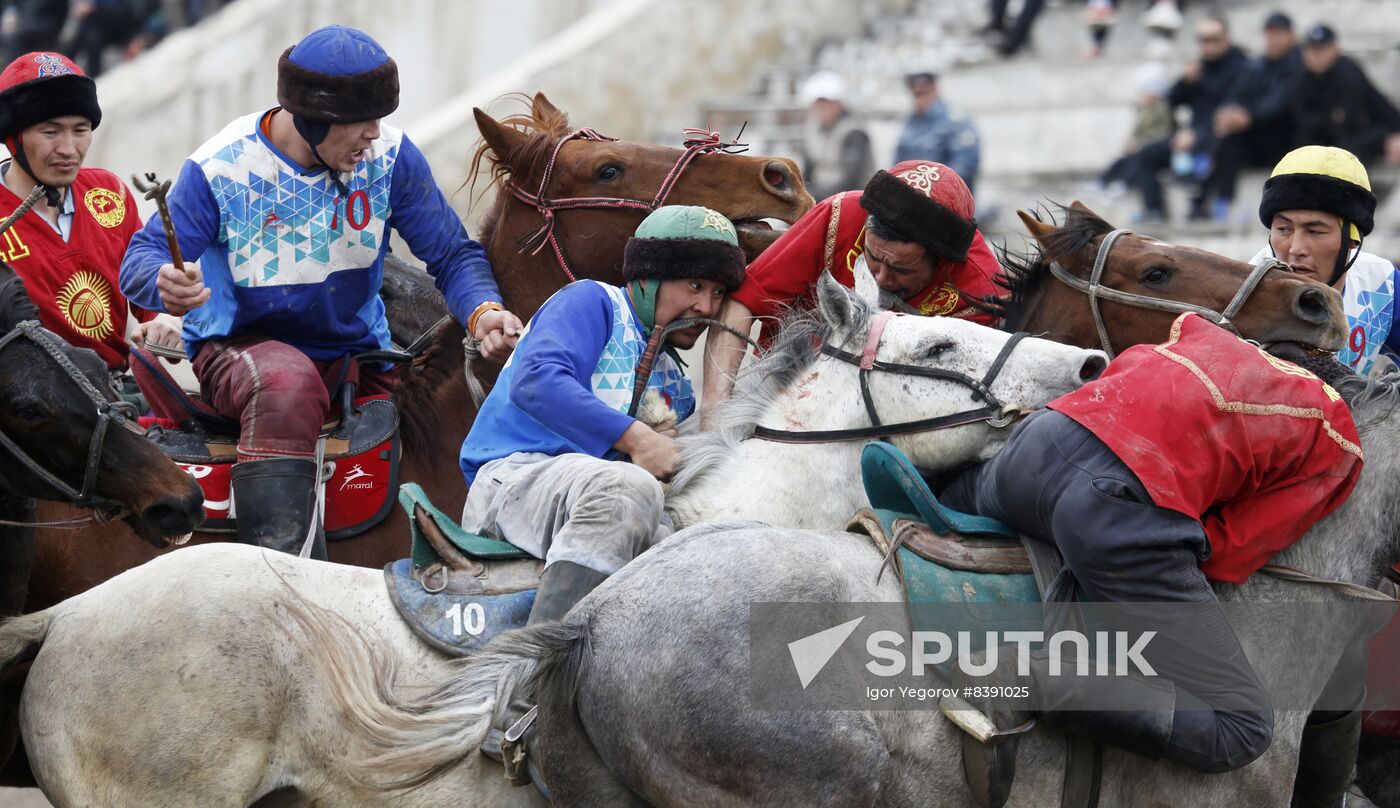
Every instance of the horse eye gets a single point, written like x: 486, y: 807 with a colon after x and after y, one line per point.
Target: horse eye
x: 1156, y: 275
x: 938, y: 349
x: 609, y: 172
x: 29, y: 411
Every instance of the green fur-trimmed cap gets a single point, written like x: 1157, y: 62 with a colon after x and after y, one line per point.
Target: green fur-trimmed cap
x: 678, y: 242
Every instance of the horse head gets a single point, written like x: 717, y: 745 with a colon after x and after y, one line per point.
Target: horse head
x: 610, y: 183
x: 924, y: 368
x: 52, y: 399
x: 1281, y: 307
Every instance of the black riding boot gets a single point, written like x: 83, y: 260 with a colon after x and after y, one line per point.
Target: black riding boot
x: 1067, y: 702
x: 1327, y: 759
x: 275, y: 500
x: 562, y: 585
x: 512, y: 740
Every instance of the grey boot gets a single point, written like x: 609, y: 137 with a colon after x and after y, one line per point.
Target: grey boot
x: 562, y: 585
x: 511, y: 741
x: 1326, y: 760
x: 276, y: 500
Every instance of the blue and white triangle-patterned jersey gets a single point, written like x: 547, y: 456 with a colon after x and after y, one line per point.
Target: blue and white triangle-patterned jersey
x: 287, y: 255
x: 1368, y: 297
x: 568, y: 385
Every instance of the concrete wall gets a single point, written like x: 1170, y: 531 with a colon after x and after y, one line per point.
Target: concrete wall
x: 643, y: 69
x: 159, y: 108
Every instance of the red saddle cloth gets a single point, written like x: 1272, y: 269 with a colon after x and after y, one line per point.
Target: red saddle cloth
x: 362, y: 451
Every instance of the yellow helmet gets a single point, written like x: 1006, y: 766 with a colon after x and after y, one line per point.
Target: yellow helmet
x: 1323, y: 178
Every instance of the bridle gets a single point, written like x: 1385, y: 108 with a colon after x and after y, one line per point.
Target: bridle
x: 108, y: 413
x: 697, y: 142
x: 1095, y: 291
x: 994, y: 412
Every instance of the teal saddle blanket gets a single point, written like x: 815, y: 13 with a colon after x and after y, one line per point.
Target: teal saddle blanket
x: 897, y: 491
x: 454, y: 610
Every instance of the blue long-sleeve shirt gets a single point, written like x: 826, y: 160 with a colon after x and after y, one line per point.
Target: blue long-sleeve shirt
x: 568, y: 385
x: 286, y: 255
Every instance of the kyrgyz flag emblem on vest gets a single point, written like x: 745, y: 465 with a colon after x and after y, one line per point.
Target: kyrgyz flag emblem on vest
x: 86, y: 301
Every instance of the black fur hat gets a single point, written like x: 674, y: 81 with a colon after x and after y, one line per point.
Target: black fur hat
x: 682, y: 242
x: 337, y: 75
x: 925, y: 203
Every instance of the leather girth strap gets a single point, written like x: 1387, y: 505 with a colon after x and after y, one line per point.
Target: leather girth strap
x: 1083, y: 757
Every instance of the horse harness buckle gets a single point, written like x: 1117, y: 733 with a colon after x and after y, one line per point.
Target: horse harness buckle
x: 514, y: 753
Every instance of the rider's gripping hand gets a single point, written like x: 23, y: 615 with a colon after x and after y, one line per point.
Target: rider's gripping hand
x: 658, y: 454
x: 181, y: 291
x: 161, y: 331
x: 497, y: 331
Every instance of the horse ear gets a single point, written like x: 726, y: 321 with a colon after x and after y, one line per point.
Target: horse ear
x: 1082, y: 208
x: 866, y: 287
x: 543, y: 108
x: 835, y: 302
x: 1039, y: 230
x: 501, y: 138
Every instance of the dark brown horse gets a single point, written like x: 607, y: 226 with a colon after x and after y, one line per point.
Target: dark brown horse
x: 57, y: 417
x: 437, y: 411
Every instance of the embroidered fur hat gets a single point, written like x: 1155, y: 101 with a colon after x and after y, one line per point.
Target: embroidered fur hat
x: 38, y: 87
x: 926, y: 203
x: 685, y: 241
x: 337, y: 75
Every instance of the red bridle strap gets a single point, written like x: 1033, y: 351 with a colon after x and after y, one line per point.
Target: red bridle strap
x: 698, y: 142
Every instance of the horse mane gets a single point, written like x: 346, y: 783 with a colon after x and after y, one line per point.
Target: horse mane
x: 1026, y: 272
x: 543, y: 126
x: 15, y: 303
x: 421, y: 415
x: 759, y: 385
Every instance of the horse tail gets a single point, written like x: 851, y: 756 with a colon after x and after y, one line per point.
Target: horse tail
x: 408, y: 741
x: 21, y: 638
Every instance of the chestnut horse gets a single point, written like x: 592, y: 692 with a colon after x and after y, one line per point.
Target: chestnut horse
x: 436, y: 408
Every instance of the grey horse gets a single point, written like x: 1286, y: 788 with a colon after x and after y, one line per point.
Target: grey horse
x: 644, y: 689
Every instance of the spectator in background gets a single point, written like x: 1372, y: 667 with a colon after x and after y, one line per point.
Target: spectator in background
x: 1255, y: 126
x: 31, y: 25
x: 937, y: 133
x: 1152, y: 122
x: 1163, y: 19
x: 1335, y: 104
x: 1204, y: 87
x: 1008, y: 42
x: 836, y: 153
x: 103, y: 24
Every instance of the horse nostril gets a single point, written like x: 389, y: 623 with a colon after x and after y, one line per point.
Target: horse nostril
x: 777, y: 177
x: 1092, y: 368
x: 172, y: 516
x: 1311, y: 305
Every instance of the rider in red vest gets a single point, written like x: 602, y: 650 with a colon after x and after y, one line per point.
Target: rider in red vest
x: 69, y: 246
x: 1185, y: 462
x: 913, y: 227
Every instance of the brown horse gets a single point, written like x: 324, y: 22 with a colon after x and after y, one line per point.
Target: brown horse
x: 436, y: 409
x: 1281, y: 308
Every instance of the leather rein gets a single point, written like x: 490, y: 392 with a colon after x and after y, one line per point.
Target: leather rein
x: 697, y: 142
x: 993, y: 412
x: 1096, y: 291
x: 108, y: 413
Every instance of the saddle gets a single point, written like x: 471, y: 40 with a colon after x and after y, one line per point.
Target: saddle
x: 458, y: 590
x: 362, y: 447
x: 945, y: 556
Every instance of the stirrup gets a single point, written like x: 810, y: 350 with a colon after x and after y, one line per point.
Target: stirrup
x: 989, y: 753
x: 513, y: 749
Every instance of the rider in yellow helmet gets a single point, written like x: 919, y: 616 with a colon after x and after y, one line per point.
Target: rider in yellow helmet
x: 1318, y: 207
